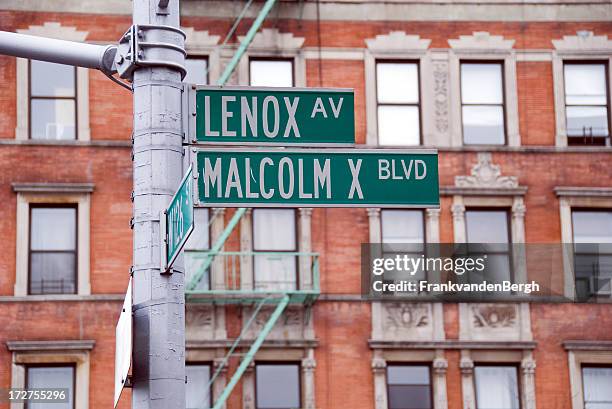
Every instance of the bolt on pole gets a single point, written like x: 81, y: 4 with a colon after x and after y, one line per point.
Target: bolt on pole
x: 158, y: 374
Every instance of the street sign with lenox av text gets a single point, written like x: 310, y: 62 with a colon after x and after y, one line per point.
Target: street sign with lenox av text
x: 317, y: 178
x: 275, y: 116
x: 177, y: 221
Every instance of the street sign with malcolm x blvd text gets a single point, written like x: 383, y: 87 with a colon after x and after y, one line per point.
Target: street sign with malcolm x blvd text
x: 275, y: 116
x: 317, y: 178
x: 177, y: 221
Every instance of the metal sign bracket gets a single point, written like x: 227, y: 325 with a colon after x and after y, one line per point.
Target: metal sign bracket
x: 147, y: 45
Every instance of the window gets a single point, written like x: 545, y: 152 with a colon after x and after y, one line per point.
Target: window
x: 586, y: 103
x: 196, y: 247
x: 53, y: 249
x: 592, y: 231
x: 277, y: 386
x: 403, y: 231
x: 597, y: 391
x: 46, y: 377
x: 197, y: 395
x: 496, y: 387
x: 491, y: 227
x: 409, y: 387
x: 274, y: 233
x: 271, y: 73
x: 398, y: 109
x: 482, y: 103
x: 52, y: 95
x: 197, y: 71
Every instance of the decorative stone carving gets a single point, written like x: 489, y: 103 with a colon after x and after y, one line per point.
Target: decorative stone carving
x: 519, y: 209
x: 220, y: 363
x: 486, y: 175
x: 373, y: 211
x: 494, y: 315
x: 440, y: 365
x: 584, y: 41
x: 495, y: 322
x: 199, y: 322
x: 290, y: 325
x: 466, y: 365
x: 305, y: 211
x: 199, y: 39
x: 458, y: 211
x: 407, y: 321
x: 271, y: 38
x: 309, y: 364
x: 404, y: 315
x: 440, y: 78
x: 397, y: 41
x: 55, y: 30
x: 528, y: 366
x: 481, y: 40
x: 379, y: 365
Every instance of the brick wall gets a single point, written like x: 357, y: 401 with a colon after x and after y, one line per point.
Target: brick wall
x: 343, y: 373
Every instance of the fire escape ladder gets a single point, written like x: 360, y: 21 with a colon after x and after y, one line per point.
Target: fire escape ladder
x: 248, y: 358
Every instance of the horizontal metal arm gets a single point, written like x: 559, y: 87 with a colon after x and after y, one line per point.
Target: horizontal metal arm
x: 100, y: 57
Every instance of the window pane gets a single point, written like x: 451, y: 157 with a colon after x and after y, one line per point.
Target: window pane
x: 52, y: 80
x: 397, y: 83
x: 597, y: 387
x: 408, y: 375
x: 196, y: 71
x: 487, y: 226
x: 585, y: 84
x: 197, y: 396
x: 277, y: 386
x: 398, y: 125
x: 409, y: 397
x: 409, y: 387
x: 266, y: 73
x: 402, y: 226
x: 53, y: 119
x: 496, y: 387
x: 481, y: 84
x: 587, y: 121
x: 52, y: 273
x: 52, y: 377
x: 592, y: 227
x: 53, y: 228
x: 275, y: 272
x: 483, y: 124
x: 274, y: 229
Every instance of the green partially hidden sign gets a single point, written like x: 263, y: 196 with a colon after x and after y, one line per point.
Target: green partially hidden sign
x: 311, y: 178
x: 275, y: 115
x: 179, y: 218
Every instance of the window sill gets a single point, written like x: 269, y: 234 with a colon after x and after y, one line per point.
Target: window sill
x: 61, y: 297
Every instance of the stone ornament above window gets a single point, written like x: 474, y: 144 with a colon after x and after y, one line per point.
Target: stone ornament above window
x: 397, y: 41
x: 55, y: 30
x: 487, y: 175
x: 481, y: 40
x: 199, y: 39
x: 583, y: 41
x: 271, y: 38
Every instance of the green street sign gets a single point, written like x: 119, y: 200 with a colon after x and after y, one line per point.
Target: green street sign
x: 275, y: 116
x: 178, y: 220
x: 317, y: 178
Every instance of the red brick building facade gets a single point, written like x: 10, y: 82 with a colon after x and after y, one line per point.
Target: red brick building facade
x: 515, y: 97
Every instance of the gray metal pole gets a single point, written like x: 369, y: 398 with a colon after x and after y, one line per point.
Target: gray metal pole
x: 158, y: 357
x: 58, y: 51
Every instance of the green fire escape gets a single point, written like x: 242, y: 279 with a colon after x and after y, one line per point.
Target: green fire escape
x: 229, y: 263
